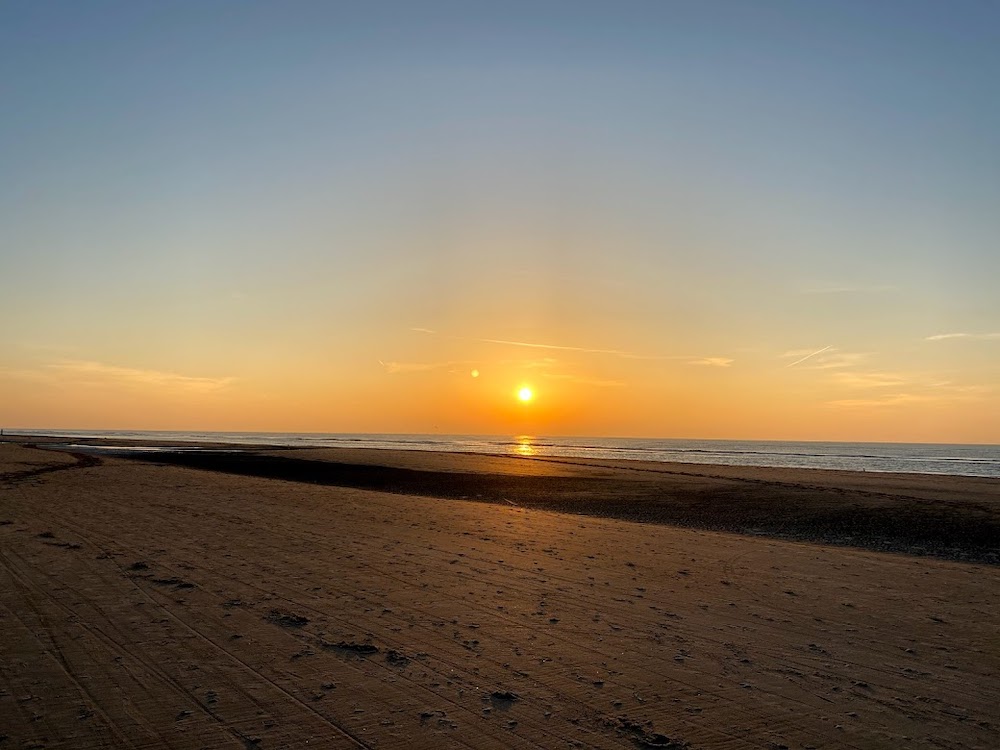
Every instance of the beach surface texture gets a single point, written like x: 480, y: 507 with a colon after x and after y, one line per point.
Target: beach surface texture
x: 365, y: 599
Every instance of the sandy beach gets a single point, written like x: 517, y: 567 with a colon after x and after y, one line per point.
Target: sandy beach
x: 362, y: 599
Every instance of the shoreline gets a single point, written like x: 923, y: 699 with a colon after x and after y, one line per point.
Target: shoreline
x: 110, y: 443
x: 826, y: 457
x: 944, y: 516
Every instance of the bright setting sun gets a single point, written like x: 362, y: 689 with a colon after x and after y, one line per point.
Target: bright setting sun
x: 525, y: 394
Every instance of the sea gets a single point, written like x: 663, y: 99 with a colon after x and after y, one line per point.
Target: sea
x: 920, y: 458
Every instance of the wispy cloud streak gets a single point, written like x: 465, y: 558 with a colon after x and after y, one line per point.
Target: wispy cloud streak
x: 895, y: 399
x: 847, y: 289
x: 712, y: 361
x: 100, y: 372
x: 971, y: 336
x: 898, y: 389
x: 688, y: 358
x: 869, y: 379
x: 810, y: 356
x: 557, y: 347
x: 394, y: 368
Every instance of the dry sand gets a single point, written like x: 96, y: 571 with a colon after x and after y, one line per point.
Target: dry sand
x: 146, y: 605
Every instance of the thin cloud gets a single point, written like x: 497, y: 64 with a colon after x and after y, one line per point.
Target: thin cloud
x: 850, y: 289
x: 558, y: 347
x: 835, y: 360
x: 869, y: 379
x: 828, y: 358
x: 37, y: 376
x: 690, y: 359
x: 403, y: 368
x: 551, y: 347
x: 970, y: 336
x: 895, y: 399
x: 394, y: 368
x: 716, y: 361
x: 713, y: 361
x: 807, y: 356
x: 916, y: 389
x: 98, y: 373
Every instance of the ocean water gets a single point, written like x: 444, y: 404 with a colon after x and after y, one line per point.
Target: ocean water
x: 922, y: 458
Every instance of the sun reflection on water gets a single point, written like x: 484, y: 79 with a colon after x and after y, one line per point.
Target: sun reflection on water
x: 524, y: 445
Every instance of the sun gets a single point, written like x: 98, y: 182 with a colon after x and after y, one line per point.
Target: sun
x: 525, y: 394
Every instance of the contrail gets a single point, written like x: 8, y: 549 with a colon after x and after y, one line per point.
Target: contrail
x: 809, y: 356
x: 586, y: 350
x: 530, y: 345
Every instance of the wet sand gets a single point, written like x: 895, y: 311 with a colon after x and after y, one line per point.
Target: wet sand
x: 944, y: 516
x: 346, y: 604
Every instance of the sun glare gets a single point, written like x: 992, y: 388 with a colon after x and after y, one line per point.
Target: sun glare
x: 524, y: 446
x: 525, y: 394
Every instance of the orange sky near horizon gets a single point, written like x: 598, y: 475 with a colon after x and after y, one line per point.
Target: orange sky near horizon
x: 596, y: 394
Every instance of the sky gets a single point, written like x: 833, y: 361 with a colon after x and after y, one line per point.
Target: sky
x: 708, y: 219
